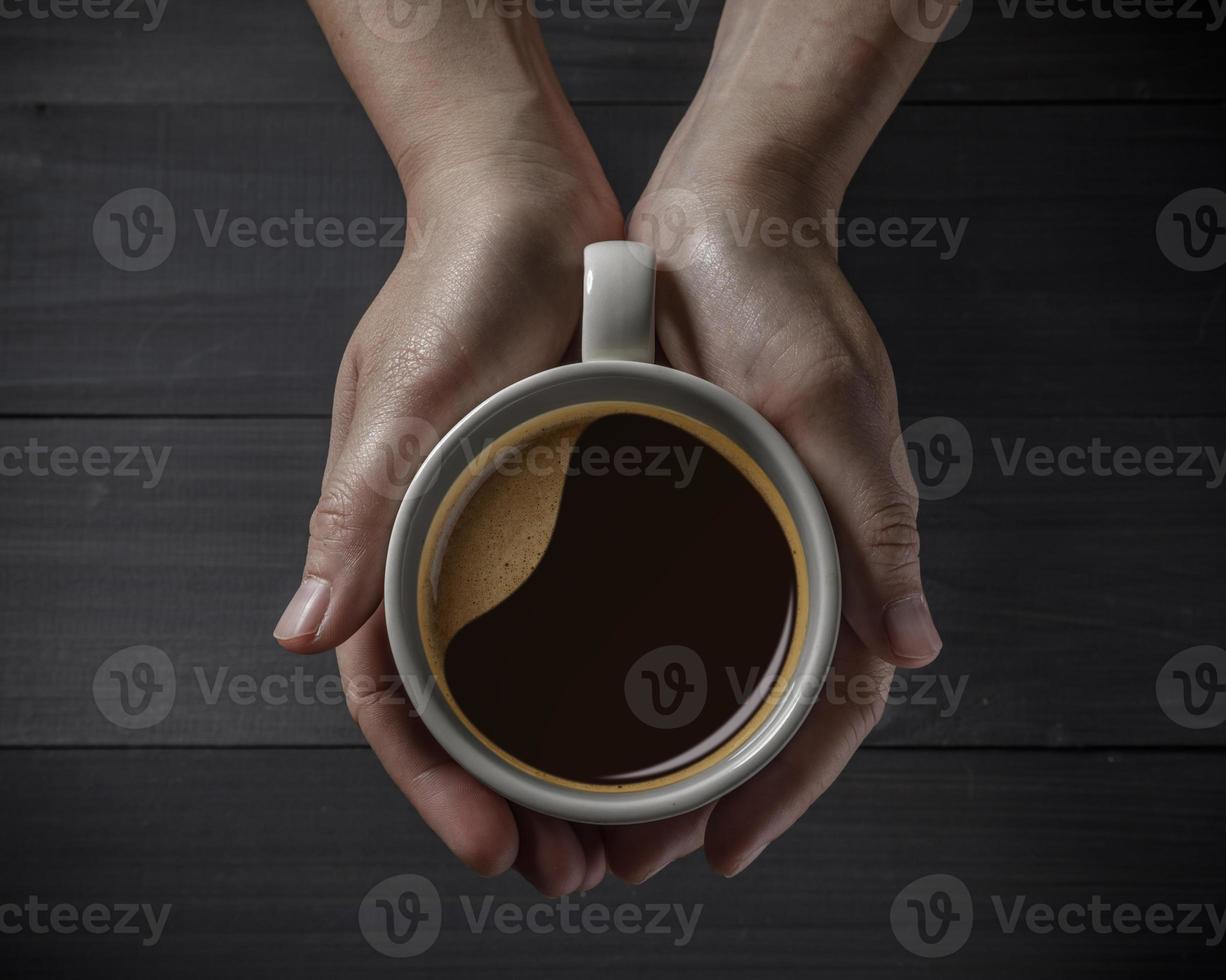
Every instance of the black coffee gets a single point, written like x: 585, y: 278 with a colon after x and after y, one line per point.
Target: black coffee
x: 654, y: 623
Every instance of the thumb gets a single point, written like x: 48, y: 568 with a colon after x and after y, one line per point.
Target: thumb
x: 342, y: 582
x: 873, y: 506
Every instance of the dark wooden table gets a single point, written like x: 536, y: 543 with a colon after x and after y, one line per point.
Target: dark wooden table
x: 1042, y: 761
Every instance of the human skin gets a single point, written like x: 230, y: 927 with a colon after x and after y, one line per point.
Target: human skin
x: 494, y: 163
x: 795, y: 94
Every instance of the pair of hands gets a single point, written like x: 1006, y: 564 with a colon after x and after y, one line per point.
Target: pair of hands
x: 495, y: 295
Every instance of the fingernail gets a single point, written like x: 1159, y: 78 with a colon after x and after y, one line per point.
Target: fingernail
x: 745, y: 863
x: 652, y: 874
x: 594, y: 877
x: 305, y: 612
x: 913, y: 636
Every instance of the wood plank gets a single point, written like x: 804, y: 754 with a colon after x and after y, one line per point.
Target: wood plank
x: 265, y: 857
x: 1056, y: 302
x: 1061, y: 598
x: 235, y: 51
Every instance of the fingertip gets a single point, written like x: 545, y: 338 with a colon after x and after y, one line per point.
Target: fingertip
x: 913, y: 637
x: 637, y: 873
x: 490, y: 844
x: 752, y: 816
x: 301, y: 645
x: 895, y: 659
x: 300, y: 624
x: 316, y: 624
x: 642, y: 879
x: 473, y: 821
x: 550, y: 858
x: 905, y: 663
x: 729, y: 864
x: 595, y: 875
x: 638, y: 852
x: 594, y: 853
x: 552, y: 887
x: 734, y: 838
x: 726, y: 843
x: 490, y: 859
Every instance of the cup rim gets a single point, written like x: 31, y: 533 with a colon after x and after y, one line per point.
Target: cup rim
x: 576, y: 384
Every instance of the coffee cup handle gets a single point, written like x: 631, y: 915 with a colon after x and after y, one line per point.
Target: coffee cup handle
x: 619, y: 302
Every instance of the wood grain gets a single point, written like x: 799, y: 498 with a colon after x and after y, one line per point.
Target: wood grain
x: 1057, y: 301
x: 1060, y: 597
x: 265, y: 856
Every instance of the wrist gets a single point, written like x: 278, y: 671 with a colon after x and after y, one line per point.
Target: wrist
x: 726, y: 161
x: 737, y: 149
x: 533, y: 189
x: 503, y: 142
x: 457, y: 93
x: 516, y: 123
x: 797, y: 90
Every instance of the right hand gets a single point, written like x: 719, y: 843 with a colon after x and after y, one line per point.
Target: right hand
x: 493, y: 295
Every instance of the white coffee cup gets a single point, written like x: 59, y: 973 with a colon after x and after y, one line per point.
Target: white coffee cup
x: 618, y: 352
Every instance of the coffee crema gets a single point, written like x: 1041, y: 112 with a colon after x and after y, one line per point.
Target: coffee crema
x: 610, y: 595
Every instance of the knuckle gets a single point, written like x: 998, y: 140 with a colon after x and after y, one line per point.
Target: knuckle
x: 873, y: 709
x: 486, y: 857
x: 364, y: 697
x: 862, y: 722
x: 865, y: 709
x: 861, y: 383
x: 359, y: 701
x: 422, y: 373
x: 892, y: 533
x: 338, y: 518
